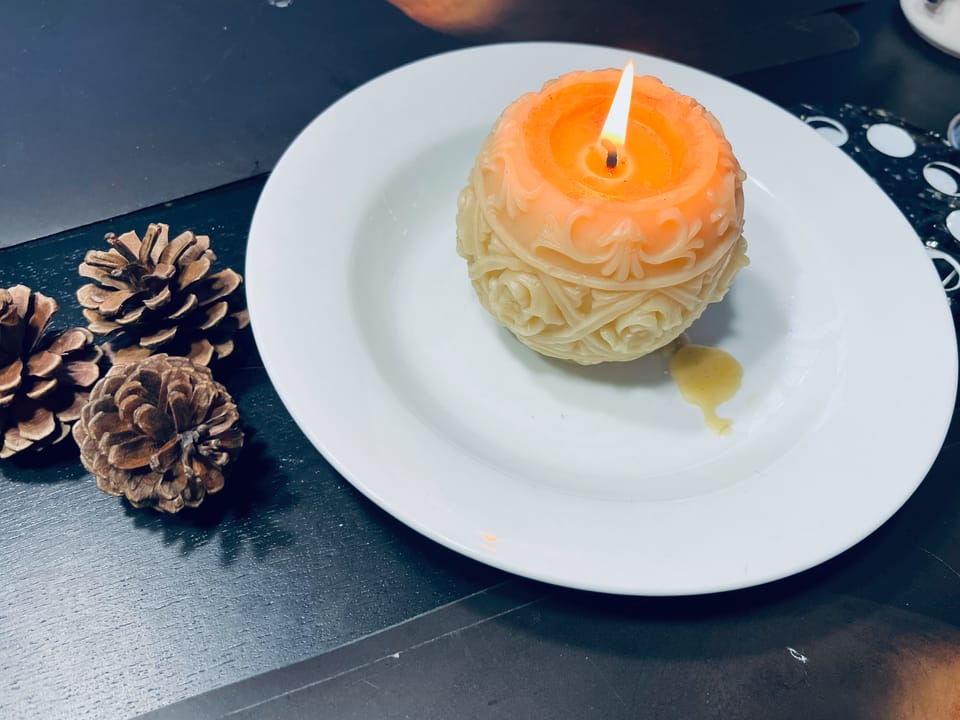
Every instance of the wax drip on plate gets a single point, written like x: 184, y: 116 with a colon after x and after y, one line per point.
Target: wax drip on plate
x: 706, y: 377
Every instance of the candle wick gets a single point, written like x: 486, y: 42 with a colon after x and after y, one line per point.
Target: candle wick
x: 611, y: 149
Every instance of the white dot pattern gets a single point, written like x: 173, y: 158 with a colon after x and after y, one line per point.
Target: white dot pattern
x: 891, y: 140
x: 942, y: 177
x: 953, y: 131
x: 953, y: 224
x: 918, y: 169
x: 828, y: 128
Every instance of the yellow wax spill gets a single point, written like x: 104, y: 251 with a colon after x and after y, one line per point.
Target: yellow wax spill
x: 707, y: 377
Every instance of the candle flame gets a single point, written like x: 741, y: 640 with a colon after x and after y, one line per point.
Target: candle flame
x: 615, y: 128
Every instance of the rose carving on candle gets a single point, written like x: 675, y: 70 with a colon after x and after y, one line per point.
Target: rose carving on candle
x: 602, y: 215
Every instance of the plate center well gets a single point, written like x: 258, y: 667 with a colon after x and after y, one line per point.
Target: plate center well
x: 618, y: 430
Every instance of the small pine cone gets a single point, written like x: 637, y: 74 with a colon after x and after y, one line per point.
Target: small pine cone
x: 162, y: 432
x: 158, y: 295
x: 45, y: 378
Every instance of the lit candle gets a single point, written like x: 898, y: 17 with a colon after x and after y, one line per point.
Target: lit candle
x: 602, y: 215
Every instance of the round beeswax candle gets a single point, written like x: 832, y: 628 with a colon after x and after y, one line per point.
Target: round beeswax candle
x: 588, y: 262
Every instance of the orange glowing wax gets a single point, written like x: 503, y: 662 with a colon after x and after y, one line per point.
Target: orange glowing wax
x: 663, y: 140
x: 676, y: 171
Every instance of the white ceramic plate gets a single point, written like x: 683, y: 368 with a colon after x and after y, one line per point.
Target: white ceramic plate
x: 937, y: 23
x: 600, y: 478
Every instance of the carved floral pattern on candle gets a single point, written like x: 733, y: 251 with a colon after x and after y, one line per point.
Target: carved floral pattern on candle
x: 566, y: 319
x: 617, y: 254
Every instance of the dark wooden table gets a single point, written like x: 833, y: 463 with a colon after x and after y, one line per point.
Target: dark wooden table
x: 289, y: 594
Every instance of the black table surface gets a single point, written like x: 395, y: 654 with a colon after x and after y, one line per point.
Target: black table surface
x: 107, y: 611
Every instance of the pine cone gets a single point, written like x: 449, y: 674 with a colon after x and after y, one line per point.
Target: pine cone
x: 161, y: 432
x: 158, y: 295
x: 44, y: 378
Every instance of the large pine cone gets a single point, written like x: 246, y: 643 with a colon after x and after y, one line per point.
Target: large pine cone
x: 161, y: 432
x: 157, y: 295
x: 44, y: 377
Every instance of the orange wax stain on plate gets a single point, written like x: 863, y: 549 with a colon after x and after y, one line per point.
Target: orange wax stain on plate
x: 707, y: 377
x: 489, y: 542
